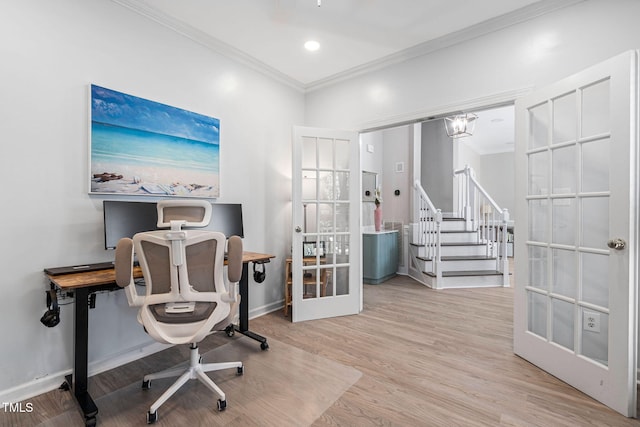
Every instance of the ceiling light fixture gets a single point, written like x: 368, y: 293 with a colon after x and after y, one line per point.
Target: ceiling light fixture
x: 460, y: 125
x: 319, y: 3
x: 312, y: 45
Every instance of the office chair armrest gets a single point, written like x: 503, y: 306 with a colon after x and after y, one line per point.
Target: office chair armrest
x: 124, y: 271
x: 234, y: 267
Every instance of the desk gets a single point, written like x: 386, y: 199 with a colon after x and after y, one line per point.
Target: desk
x: 86, y: 283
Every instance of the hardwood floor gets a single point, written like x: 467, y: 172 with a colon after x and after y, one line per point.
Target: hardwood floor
x: 427, y: 358
x: 437, y: 358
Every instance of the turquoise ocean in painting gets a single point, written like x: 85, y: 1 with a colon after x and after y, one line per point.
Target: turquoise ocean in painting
x: 121, y: 145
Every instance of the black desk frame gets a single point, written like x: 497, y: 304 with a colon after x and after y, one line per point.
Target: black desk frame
x: 78, y: 381
x: 243, y: 324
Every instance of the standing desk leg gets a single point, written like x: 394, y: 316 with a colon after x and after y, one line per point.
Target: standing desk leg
x: 78, y: 381
x: 243, y: 328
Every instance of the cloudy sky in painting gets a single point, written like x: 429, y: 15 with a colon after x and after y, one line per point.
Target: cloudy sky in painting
x: 119, y: 109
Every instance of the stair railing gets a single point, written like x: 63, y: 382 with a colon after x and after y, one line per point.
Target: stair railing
x: 483, y: 214
x: 427, y: 225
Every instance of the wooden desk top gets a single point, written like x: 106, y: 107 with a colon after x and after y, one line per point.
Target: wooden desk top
x: 256, y: 257
x: 108, y: 276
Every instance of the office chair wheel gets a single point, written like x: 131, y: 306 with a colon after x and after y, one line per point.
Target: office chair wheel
x: 222, y: 405
x: 230, y: 331
x: 240, y: 370
x: 152, y: 417
x: 264, y: 345
x: 146, y: 385
x: 90, y: 422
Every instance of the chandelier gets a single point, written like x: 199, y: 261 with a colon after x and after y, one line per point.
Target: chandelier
x: 460, y: 125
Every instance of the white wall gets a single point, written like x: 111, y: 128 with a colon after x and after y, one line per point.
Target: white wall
x: 50, y: 53
x: 521, y: 56
x: 497, y: 176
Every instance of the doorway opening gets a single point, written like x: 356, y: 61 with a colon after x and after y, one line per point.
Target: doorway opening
x: 399, y: 154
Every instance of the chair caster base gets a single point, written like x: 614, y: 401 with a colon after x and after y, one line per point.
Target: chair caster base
x: 152, y: 417
x: 230, y: 331
x: 146, y: 385
x: 222, y: 405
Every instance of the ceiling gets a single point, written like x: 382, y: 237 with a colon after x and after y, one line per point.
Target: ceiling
x: 494, y: 131
x: 354, y: 35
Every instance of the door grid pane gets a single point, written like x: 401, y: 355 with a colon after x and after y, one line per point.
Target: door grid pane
x: 568, y: 225
x: 326, y: 210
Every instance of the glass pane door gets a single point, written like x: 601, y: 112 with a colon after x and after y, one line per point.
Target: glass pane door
x: 326, y: 215
x: 576, y: 291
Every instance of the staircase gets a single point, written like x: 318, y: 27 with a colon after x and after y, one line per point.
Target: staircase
x: 463, y: 249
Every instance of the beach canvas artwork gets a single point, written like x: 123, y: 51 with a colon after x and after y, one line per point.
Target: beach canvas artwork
x: 143, y: 147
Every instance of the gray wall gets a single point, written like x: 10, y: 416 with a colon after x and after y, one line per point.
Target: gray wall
x: 437, y: 165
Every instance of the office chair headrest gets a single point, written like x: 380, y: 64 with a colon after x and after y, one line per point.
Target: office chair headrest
x: 193, y: 213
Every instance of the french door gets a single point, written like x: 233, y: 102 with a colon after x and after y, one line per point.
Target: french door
x: 326, y: 267
x: 576, y: 298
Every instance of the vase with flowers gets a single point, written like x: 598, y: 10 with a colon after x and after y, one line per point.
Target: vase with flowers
x: 377, y: 213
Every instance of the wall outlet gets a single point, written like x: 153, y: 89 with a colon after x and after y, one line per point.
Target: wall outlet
x: 591, y: 321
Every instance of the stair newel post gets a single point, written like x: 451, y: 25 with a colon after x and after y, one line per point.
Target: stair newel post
x: 437, y: 257
x: 502, y: 259
x: 467, y: 198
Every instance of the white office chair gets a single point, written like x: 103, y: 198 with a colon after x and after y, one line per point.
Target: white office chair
x: 186, y: 297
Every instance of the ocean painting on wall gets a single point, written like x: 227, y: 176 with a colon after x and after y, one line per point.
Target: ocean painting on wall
x: 143, y: 147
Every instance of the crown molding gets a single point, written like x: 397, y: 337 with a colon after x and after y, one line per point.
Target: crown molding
x: 486, y: 27
x: 212, y: 43
x: 518, y: 16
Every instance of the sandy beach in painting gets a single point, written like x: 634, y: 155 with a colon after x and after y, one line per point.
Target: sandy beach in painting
x: 138, y: 179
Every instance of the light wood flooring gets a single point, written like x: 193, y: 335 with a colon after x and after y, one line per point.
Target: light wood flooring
x: 437, y: 358
x: 427, y: 358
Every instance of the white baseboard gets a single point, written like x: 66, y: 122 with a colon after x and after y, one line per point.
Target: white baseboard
x: 52, y: 381
x: 266, y: 309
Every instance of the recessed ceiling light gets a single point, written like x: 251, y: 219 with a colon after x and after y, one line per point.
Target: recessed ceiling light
x: 312, y: 45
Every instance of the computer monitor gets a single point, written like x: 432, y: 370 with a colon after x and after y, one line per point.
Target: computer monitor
x: 227, y: 219
x: 125, y: 219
